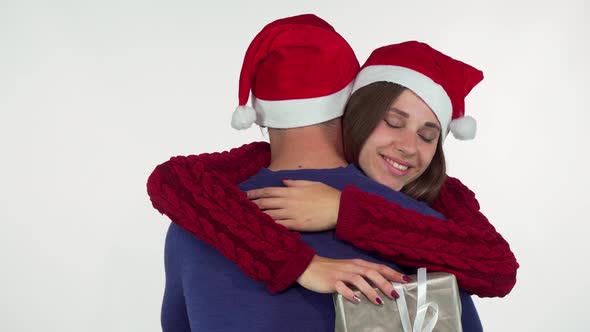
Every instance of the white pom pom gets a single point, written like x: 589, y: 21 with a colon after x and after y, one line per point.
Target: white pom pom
x: 464, y: 128
x: 243, y: 117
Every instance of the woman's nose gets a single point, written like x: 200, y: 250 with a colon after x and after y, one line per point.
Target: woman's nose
x: 407, y: 143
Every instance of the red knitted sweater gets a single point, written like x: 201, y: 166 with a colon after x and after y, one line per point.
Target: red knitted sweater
x: 199, y: 193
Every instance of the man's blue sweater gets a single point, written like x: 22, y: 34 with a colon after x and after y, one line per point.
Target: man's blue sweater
x: 207, y: 292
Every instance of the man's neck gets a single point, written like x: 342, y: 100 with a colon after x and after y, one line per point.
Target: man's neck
x: 312, y: 147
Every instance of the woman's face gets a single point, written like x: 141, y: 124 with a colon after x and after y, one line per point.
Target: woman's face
x: 401, y: 147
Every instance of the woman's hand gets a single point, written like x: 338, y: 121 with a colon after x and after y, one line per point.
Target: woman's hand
x: 304, y: 206
x: 326, y: 275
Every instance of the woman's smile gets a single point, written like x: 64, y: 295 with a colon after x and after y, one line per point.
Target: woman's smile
x: 397, y: 167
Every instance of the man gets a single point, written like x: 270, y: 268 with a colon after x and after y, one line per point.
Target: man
x: 300, y: 72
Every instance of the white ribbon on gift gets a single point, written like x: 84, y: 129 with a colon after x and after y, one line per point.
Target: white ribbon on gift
x: 421, y: 306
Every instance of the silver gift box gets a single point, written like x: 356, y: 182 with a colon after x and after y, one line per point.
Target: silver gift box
x: 441, y: 288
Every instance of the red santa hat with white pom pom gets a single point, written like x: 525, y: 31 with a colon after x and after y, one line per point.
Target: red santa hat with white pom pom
x: 300, y: 72
x: 441, y: 81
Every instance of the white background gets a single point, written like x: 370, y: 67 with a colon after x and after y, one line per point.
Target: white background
x: 94, y: 94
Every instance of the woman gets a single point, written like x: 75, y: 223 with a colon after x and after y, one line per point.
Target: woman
x: 308, y: 206
x: 467, y: 245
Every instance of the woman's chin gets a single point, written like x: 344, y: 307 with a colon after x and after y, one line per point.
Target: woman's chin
x: 395, y: 185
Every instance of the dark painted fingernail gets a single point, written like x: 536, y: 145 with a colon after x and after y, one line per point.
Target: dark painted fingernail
x: 357, y: 299
x: 378, y: 299
x: 394, y: 294
x: 407, y: 279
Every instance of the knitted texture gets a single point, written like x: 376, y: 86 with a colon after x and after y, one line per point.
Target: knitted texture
x: 199, y: 194
x: 465, y: 244
x: 212, y: 208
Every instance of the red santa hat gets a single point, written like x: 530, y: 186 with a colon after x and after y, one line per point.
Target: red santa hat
x: 300, y: 72
x: 441, y: 81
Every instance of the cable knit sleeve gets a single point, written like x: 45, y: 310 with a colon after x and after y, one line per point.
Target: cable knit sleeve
x: 465, y: 244
x: 199, y: 194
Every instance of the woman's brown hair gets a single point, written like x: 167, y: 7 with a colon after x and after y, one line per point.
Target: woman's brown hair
x: 365, y: 108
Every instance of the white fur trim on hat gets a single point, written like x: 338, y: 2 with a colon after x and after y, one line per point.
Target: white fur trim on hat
x: 423, y: 86
x: 463, y: 128
x: 295, y: 113
x: 243, y: 117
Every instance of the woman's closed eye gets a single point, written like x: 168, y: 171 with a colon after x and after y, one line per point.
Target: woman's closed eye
x: 394, y: 122
x: 428, y: 135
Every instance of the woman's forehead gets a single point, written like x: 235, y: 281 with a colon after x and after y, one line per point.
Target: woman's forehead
x: 410, y: 106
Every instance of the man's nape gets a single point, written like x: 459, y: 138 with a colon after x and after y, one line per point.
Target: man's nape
x: 311, y: 147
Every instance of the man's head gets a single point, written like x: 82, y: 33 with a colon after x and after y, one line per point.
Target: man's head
x: 299, y: 71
